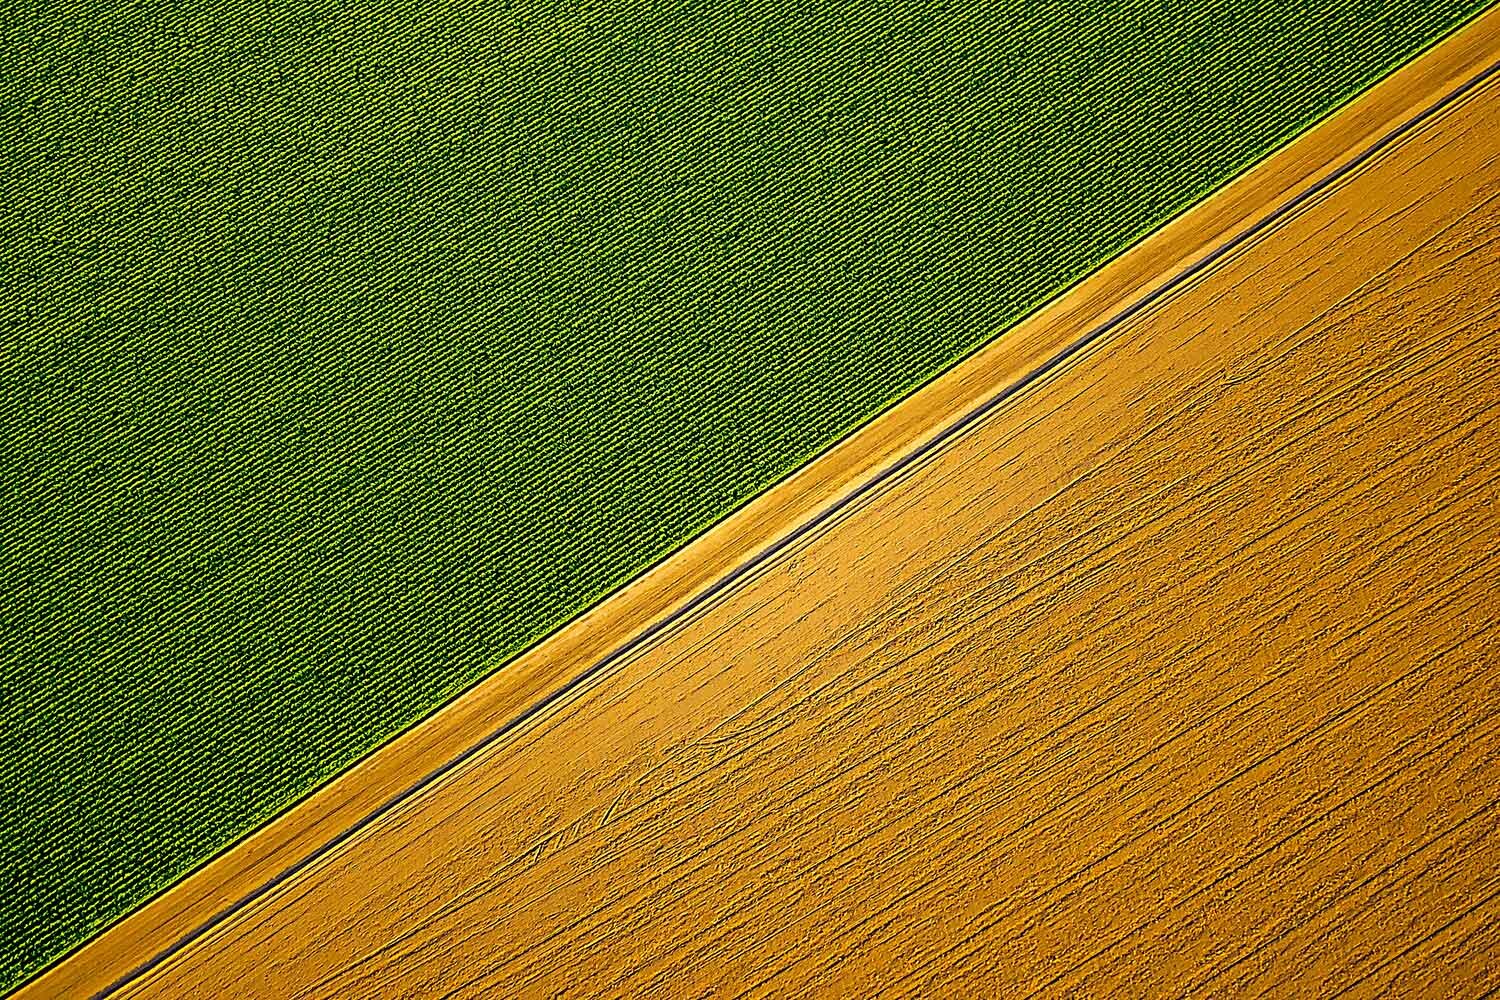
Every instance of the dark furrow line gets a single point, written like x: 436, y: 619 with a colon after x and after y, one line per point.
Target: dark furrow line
x: 1419, y: 942
x: 892, y: 472
x: 1367, y: 702
x: 1247, y: 861
x: 1159, y: 520
x: 1352, y: 710
x: 1243, y: 860
x: 1290, y: 342
x: 1380, y: 781
x: 1344, y: 917
x: 1444, y: 337
x: 1239, y: 700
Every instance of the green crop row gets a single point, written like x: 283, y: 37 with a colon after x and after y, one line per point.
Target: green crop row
x: 350, y: 348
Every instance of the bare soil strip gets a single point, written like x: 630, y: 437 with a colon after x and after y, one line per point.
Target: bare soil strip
x: 1157, y: 664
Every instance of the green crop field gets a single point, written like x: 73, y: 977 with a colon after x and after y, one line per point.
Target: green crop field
x: 350, y: 348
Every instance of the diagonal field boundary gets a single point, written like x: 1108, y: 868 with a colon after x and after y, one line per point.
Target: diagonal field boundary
x: 883, y: 479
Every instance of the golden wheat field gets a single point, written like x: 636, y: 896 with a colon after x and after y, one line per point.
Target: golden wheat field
x: 1150, y: 651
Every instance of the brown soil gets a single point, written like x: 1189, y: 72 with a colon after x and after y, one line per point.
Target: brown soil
x: 1169, y: 675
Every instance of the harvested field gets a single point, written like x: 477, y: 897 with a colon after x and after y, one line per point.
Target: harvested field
x: 1168, y: 671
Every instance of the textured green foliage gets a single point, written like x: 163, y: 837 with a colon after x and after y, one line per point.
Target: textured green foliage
x: 348, y: 348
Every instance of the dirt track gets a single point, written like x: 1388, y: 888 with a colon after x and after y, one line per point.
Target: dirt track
x: 1170, y: 675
